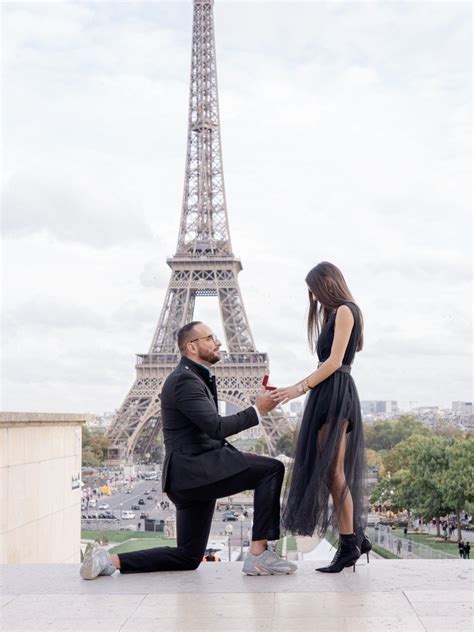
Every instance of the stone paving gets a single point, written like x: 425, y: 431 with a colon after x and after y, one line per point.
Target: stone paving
x: 408, y: 595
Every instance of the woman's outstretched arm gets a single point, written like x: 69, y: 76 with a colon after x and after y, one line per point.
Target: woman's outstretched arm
x: 342, y: 333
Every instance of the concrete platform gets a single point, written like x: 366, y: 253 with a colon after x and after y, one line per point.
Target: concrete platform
x: 408, y: 595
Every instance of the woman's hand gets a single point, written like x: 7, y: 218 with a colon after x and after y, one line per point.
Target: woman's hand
x: 283, y: 395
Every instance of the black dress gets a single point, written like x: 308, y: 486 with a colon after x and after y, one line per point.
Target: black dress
x: 307, y: 503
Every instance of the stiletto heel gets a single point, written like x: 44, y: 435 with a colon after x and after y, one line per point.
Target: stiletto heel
x: 347, y: 555
x: 363, y: 543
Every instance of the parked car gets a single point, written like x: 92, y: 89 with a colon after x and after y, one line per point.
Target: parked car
x: 141, y: 501
x: 128, y: 515
x: 135, y: 507
x: 229, y: 516
x: 149, y: 497
x: 154, y: 489
x: 144, y: 514
x: 108, y: 515
x: 103, y: 506
x: 147, y: 491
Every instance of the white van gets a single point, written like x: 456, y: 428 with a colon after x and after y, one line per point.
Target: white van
x: 128, y: 515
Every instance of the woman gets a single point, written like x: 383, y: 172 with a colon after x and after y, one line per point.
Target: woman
x: 329, y: 453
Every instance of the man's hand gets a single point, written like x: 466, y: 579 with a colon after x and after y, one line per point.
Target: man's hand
x: 283, y: 395
x: 264, y: 402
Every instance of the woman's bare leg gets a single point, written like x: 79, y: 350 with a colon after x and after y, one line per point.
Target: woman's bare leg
x: 340, y: 492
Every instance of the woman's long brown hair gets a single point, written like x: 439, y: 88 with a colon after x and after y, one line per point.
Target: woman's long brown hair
x: 328, y: 285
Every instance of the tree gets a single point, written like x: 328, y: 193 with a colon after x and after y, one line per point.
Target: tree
x: 261, y: 447
x: 426, y: 463
x: 375, y: 461
x: 458, y: 480
x: 385, y: 434
x: 286, y: 442
x: 399, y: 457
x: 89, y: 459
x: 416, y: 484
x: 386, y: 493
x: 94, y: 447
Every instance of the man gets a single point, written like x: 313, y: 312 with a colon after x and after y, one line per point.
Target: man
x: 201, y: 466
x: 467, y: 550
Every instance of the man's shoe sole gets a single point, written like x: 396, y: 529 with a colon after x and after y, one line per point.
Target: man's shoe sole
x: 266, y: 572
x: 87, y: 567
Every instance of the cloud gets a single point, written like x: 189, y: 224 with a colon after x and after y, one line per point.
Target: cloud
x: 154, y: 273
x: 41, y: 312
x: 345, y: 131
x: 55, y: 203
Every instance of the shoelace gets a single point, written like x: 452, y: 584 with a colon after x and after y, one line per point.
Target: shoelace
x: 338, y: 553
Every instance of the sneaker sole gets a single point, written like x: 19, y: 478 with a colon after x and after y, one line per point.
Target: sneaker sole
x: 259, y: 572
x: 87, y: 570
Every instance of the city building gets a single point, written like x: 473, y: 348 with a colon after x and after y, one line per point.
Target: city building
x: 379, y: 407
x: 462, y: 408
x: 100, y: 422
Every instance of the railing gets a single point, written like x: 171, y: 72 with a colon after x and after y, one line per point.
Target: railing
x: 404, y: 547
x: 243, y: 357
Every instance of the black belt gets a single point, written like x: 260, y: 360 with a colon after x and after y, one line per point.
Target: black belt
x: 344, y: 368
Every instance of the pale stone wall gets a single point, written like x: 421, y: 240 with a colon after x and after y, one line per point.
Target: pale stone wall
x: 40, y: 504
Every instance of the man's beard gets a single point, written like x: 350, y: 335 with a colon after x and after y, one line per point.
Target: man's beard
x: 210, y: 356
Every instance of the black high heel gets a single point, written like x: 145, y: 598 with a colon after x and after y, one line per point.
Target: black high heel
x: 347, y: 555
x: 363, y: 543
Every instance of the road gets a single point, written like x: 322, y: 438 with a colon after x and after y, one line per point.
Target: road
x: 120, y: 501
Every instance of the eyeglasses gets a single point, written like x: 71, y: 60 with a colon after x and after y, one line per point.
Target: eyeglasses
x: 212, y: 337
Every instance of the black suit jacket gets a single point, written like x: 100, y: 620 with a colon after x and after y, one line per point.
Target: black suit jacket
x: 194, y: 432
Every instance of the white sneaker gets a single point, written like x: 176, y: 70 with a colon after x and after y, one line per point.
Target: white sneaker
x: 96, y: 562
x: 267, y: 563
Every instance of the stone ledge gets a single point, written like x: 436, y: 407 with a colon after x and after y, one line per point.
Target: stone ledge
x: 400, y: 595
x: 15, y: 418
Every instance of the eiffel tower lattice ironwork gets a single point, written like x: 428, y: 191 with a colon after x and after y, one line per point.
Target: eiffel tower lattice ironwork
x: 204, y: 265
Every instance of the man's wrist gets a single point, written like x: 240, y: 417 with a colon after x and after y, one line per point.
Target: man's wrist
x: 259, y: 414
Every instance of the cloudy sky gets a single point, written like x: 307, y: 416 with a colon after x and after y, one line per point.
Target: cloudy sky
x: 346, y: 131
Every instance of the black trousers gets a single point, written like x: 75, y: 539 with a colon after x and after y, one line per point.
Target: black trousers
x: 194, y: 511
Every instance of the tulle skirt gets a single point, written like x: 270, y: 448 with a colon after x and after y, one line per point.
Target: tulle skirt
x: 332, y: 408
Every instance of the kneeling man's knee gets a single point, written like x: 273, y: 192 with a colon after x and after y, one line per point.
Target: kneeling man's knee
x: 279, y: 467
x: 190, y: 563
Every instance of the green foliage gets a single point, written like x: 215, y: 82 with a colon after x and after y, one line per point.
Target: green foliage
x: 374, y: 460
x: 120, y: 536
x: 384, y: 434
x: 401, y: 456
x: 94, y: 447
x: 458, y: 482
x: 286, y: 442
x: 89, y: 458
x: 261, y: 447
x: 137, y: 545
x: 428, y: 475
x: 387, y: 491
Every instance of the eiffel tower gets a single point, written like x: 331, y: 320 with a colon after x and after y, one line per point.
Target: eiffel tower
x: 204, y: 265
